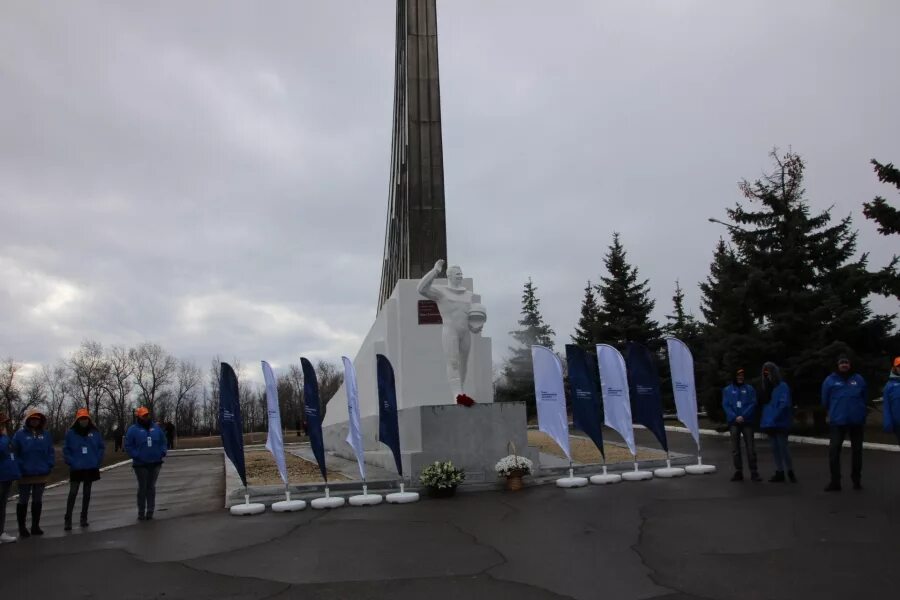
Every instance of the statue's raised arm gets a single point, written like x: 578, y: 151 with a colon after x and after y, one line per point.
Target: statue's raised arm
x: 424, y: 286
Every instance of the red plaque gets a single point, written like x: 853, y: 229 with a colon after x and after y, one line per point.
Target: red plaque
x: 429, y: 313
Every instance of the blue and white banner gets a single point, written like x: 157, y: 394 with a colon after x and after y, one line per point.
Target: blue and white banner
x: 681, y: 363
x: 313, y: 411
x: 550, y: 396
x: 354, y: 436
x: 587, y: 412
x: 643, y: 387
x: 230, y: 423
x: 388, y: 425
x: 614, y: 387
x: 275, y: 440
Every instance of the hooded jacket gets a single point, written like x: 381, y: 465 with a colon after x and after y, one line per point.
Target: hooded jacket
x: 891, y: 404
x: 83, y: 449
x: 145, y: 445
x: 739, y: 401
x: 34, y: 449
x: 778, y: 413
x: 9, y: 468
x: 845, y: 398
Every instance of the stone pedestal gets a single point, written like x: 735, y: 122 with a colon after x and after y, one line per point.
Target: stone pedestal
x: 474, y: 438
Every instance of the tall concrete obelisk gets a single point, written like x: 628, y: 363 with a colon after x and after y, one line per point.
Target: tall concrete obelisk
x: 416, y: 230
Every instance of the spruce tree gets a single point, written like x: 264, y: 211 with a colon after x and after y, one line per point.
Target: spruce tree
x: 585, y: 331
x: 681, y: 324
x: 805, y: 289
x: 625, y: 303
x: 517, y: 373
x: 887, y: 217
x: 878, y: 210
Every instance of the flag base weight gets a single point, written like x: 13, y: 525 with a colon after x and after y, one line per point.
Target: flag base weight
x: 402, y: 497
x: 365, y: 500
x: 637, y: 475
x: 700, y: 468
x: 288, y: 506
x: 571, y: 481
x: 669, y: 471
x: 327, y: 502
x: 605, y: 478
x: 247, y: 508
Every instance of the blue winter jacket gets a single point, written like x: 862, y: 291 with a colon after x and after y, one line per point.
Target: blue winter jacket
x: 9, y: 468
x: 892, y: 404
x: 34, y: 452
x: 778, y: 414
x: 739, y: 401
x: 145, y: 446
x: 845, y: 399
x: 83, y: 451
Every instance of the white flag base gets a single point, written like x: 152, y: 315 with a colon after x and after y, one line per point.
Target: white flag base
x: 571, y: 481
x: 402, y: 497
x: 606, y: 478
x: 669, y: 471
x: 700, y: 468
x: 637, y: 475
x: 327, y: 501
x: 288, y: 506
x: 247, y: 508
x: 365, y: 500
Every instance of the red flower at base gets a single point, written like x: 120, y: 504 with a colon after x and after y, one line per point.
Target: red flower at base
x: 464, y: 400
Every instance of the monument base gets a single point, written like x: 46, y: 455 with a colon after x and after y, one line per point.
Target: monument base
x: 473, y: 438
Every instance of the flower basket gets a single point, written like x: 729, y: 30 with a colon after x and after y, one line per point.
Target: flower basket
x: 514, y: 468
x: 441, y: 478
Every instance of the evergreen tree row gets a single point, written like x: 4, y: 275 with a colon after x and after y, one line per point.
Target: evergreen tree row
x: 785, y: 284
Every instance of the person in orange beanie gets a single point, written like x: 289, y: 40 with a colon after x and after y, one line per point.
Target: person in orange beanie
x: 83, y: 451
x: 145, y: 443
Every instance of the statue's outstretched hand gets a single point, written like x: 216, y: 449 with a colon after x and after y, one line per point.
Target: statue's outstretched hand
x: 439, y: 265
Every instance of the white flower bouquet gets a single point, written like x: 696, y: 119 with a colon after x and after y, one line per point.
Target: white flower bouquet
x: 441, y: 475
x: 509, y: 465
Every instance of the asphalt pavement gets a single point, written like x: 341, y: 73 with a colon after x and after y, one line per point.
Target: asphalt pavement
x: 693, y: 537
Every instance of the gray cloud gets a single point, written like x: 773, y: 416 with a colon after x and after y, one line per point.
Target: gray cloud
x: 213, y: 175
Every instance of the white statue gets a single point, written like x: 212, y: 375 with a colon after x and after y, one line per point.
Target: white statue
x: 461, y: 317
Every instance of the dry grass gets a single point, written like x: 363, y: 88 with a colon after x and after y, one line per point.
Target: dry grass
x: 261, y: 470
x: 215, y: 441
x: 585, y: 452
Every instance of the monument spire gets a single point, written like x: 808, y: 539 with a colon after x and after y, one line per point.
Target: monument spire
x: 416, y: 231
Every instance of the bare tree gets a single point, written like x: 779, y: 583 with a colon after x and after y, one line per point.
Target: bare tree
x: 187, y: 381
x: 330, y: 380
x: 119, y: 385
x: 58, y: 388
x: 89, y: 372
x: 215, y: 367
x: 10, y: 391
x: 154, y: 369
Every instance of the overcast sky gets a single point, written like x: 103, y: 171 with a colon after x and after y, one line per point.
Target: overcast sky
x: 213, y: 175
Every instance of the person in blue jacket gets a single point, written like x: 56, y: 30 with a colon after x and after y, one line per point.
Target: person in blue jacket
x: 145, y: 443
x: 891, y: 397
x: 739, y: 402
x: 777, y: 416
x: 83, y: 451
x: 844, y: 395
x: 9, y: 473
x: 33, y: 446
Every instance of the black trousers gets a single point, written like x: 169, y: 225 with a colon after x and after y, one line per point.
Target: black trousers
x: 146, y: 495
x: 838, y: 433
x: 73, y: 494
x: 744, y: 430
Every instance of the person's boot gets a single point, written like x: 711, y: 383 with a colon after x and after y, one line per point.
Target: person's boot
x: 36, y: 510
x: 21, y: 511
x: 738, y: 476
x: 778, y: 477
x: 834, y: 486
x: 67, y: 519
x: 149, y: 515
x: 84, y: 520
x: 792, y: 477
x: 754, y: 476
